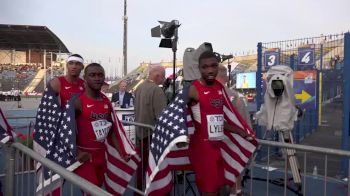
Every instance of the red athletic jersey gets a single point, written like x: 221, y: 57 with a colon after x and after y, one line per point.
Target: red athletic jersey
x: 68, y: 89
x: 210, y: 103
x: 204, y: 154
x: 93, y: 123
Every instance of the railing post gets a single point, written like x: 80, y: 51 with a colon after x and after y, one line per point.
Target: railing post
x: 9, y: 170
x: 346, y: 98
x: 348, y: 179
x: 292, y: 62
x: 258, y: 86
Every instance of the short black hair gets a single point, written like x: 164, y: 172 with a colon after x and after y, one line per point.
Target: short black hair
x: 206, y: 55
x: 92, y: 65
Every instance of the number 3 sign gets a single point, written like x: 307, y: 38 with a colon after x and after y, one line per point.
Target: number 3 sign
x: 272, y: 57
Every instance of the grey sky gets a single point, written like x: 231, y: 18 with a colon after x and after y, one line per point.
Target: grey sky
x: 94, y: 28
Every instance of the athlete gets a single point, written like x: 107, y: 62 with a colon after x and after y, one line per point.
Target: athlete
x: 206, y: 106
x: 94, y: 122
x: 69, y: 84
x: 66, y: 86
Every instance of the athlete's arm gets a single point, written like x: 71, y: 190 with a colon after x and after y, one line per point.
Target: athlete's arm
x: 78, y: 107
x: 192, y: 95
x: 56, y: 85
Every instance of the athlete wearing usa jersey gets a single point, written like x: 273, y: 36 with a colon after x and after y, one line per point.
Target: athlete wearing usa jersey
x: 94, y: 122
x: 69, y: 84
x: 206, y: 106
x: 67, y: 89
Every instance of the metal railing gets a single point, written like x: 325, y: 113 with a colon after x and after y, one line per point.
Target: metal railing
x: 302, y: 151
x: 13, y: 170
x: 305, y: 149
x: 11, y: 173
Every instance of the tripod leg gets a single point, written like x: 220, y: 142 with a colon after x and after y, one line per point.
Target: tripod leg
x: 290, y: 153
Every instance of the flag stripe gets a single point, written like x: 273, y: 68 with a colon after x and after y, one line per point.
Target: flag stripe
x: 5, y: 139
x: 230, y: 176
x: 162, y: 186
x: 113, y: 187
x: 232, y: 141
x: 233, y: 118
x: 234, y: 154
x: 119, y: 171
x: 114, y: 156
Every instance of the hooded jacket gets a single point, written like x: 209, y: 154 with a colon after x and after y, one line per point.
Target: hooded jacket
x: 278, y: 113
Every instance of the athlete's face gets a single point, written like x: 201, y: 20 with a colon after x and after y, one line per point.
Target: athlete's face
x: 209, y: 68
x: 74, y: 68
x: 95, y: 77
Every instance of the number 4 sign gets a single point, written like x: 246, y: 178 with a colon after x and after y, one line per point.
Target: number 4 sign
x: 306, y: 56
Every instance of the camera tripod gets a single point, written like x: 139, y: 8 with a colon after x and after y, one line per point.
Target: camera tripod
x: 285, y: 137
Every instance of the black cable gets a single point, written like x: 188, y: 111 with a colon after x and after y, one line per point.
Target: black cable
x: 274, y: 113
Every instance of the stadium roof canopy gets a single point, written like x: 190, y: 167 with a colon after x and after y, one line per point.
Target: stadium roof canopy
x: 25, y: 37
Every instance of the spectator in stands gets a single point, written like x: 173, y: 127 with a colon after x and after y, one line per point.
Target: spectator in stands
x: 122, y: 98
x: 69, y: 84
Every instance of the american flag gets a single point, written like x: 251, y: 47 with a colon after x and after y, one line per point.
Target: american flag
x: 175, y: 125
x: 55, y: 138
x: 119, y: 171
x: 5, y: 129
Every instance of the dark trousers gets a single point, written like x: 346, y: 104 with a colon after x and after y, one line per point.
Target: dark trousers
x: 142, y: 168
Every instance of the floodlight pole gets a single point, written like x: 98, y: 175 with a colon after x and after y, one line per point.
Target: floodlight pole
x: 125, y: 39
x: 174, y: 48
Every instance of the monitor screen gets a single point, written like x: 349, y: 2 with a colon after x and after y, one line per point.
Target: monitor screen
x: 246, y: 80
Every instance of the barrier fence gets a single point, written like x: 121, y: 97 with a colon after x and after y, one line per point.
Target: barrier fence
x: 321, y: 77
x: 272, y: 172
x: 322, y: 54
x: 20, y: 174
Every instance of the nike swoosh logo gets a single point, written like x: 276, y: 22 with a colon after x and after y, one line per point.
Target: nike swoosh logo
x: 206, y: 92
x: 67, y: 87
x: 89, y: 106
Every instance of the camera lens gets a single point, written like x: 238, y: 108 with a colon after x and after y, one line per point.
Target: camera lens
x: 277, y: 87
x: 277, y: 84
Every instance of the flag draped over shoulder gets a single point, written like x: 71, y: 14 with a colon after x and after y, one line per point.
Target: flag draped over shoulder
x: 55, y: 139
x: 5, y: 129
x: 174, y: 126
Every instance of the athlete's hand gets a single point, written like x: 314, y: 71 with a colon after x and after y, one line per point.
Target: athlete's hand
x: 127, y: 158
x: 245, y: 135
x: 83, y: 156
x: 183, y: 144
